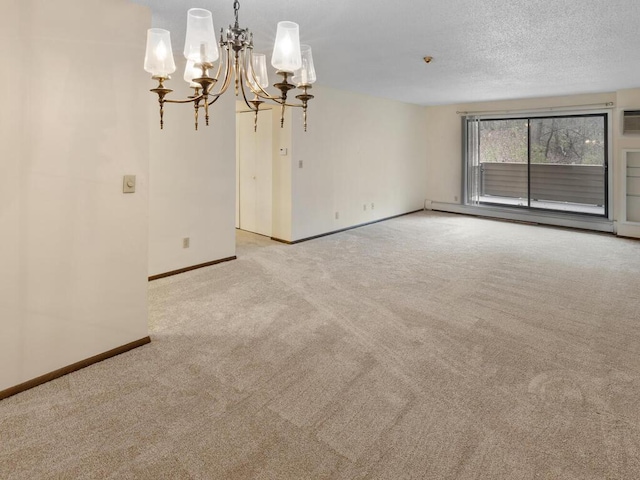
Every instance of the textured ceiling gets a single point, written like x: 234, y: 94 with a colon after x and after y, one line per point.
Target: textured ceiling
x: 483, y: 50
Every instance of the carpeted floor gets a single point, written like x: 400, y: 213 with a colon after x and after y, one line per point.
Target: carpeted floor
x: 431, y: 346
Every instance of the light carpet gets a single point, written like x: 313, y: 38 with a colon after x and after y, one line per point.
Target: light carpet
x: 430, y: 346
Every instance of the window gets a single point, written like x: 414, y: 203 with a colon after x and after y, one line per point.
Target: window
x: 547, y: 163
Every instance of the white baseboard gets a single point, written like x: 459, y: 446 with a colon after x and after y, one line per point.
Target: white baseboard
x: 543, y: 218
x: 628, y: 229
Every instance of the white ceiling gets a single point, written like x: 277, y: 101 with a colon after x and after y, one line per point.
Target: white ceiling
x: 482, y: 49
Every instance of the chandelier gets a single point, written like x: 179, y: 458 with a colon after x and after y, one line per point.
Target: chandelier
x: 291, y: 60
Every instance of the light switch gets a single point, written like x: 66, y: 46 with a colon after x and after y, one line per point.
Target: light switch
x: 283, y: 152
x: 129, y: 184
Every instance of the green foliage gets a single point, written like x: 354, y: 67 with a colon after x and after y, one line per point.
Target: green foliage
x: 503, y: 141
x: 561, y: 140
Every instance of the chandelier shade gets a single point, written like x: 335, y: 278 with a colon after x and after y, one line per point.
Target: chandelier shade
x: 286, y: 49
x: 259, y: 79
x: 191, y: 72
x: 158, y: 59
x: 237, y: 66
x: 306, y: 74
x: 200, y: 44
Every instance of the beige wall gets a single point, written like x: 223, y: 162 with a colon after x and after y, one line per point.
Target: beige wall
x: 358, y: 150
x: 192, y: 180
x: 73, y: 247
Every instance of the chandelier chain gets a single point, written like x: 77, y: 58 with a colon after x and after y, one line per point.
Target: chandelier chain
x: 236, y: 7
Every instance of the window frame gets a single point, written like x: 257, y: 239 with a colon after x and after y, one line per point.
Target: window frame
x: 527, y: 209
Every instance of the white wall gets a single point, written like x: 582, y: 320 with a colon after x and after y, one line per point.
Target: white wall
x: 73, y: 247
x: 358, y: 150
x: 192, y: 181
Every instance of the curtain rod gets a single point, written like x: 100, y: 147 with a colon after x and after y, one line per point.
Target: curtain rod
x: 540, y: 109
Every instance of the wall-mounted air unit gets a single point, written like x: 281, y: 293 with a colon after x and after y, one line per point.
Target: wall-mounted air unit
x: 631, y: 122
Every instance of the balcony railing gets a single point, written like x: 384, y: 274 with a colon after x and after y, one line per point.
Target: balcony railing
x: 578, y: 184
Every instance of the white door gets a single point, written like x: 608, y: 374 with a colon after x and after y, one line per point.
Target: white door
x: 255, y: 159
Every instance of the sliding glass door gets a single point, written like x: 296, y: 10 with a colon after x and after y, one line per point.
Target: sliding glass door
x: 550, y: 163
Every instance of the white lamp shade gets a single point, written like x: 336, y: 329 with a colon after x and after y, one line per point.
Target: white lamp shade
x: 258, y: 73
x: 200, y: 43
x: 306, y: 74
x: 158, y: 59
x: 286, y: 50
x: 191, y: 72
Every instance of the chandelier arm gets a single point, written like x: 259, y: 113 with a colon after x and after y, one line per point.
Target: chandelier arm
x: 274, y: 99
x: 227, y: 75
x: 253, y: 90
x: 216, y: 96
x: 294, y: 105
x: 278, y: 101
x: 219, y: 94
x: 189, y: 100
x: 227, y: 78
x: 260, y: 92
x: 242, y: 71
x: 215, y: 99
x: 218, y: 73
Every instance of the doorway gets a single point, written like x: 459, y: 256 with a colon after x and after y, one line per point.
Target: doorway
x: 254, y: 177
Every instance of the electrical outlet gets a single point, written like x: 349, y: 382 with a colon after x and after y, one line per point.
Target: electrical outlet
x: 364, y: 207
x: 337, y: 215
x: 372, y: 206
x: 455, y: 199
x: 299, y: 163
x: 185, y: 242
